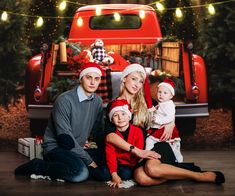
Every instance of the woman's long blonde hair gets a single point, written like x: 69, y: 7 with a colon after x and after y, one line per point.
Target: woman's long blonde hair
x: 138, y: 106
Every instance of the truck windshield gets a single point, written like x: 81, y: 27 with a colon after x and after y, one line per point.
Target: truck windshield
x: 127, y: 21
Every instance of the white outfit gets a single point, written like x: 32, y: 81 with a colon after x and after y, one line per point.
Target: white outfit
x: 164, y: 114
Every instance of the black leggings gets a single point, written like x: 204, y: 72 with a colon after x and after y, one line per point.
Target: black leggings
x: 168, y: 157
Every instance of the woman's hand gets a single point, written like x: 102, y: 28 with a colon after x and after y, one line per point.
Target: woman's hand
x: 116, y: 180
x: 146, y: 154
x: 167, y: 134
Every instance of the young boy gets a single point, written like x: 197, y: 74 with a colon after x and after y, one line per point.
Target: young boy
x: 164, y: 114
x: 121, y: 163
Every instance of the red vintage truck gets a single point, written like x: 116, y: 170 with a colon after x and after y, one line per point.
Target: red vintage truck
x: 125, y: 29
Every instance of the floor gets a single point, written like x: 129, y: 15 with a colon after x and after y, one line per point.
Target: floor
x: 208, y: 160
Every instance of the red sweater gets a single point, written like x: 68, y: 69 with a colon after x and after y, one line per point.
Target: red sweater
x: 115, y: 154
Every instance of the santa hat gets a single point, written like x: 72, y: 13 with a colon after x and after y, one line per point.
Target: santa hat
x: 147, y: 94
x: 168, y: 83
x: 90, y: 67
x: 119, y: 105
x: 131, y: 68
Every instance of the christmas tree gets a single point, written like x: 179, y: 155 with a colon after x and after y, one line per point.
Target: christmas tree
x: 13, y: 49
x: 217, y: 45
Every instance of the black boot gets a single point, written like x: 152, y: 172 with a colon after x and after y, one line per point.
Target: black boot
x: 219, y: 179
x: 35, y: 166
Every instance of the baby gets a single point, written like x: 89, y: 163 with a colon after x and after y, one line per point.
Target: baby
x: 164, y: 114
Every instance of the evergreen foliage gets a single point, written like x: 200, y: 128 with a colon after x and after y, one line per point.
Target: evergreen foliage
x: 217, y: 43
x: 14, y: 52
x: 52, y: 27
x: 184, y: 28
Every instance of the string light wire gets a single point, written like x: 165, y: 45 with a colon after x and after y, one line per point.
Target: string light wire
x: 71, y: 17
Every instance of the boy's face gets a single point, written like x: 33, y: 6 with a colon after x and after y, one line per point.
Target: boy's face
x: 164, y: 94
x: 120, y: 119
x: 90, y: 82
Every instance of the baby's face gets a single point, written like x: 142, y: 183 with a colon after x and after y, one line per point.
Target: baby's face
x: 164, y: 94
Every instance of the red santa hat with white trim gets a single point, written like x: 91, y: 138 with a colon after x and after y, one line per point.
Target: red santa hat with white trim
x: 119, y: 105
x: 168, y: 83
x: 90, y: 67
x: 147, y: 93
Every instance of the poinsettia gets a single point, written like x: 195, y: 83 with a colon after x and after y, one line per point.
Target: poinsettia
x: 75, y: 62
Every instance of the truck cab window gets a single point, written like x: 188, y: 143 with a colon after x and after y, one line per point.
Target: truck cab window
x: 127, y: 21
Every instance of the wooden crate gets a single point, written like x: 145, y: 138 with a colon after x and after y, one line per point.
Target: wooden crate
x: 169, y: 56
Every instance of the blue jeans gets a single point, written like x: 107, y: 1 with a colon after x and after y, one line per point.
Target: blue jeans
x: 101, y: 173
x: 125, y: 172
x: 66, y: 165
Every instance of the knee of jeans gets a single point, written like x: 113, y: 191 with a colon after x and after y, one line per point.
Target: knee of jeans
x: 126, y: 174
x: 79, y: 175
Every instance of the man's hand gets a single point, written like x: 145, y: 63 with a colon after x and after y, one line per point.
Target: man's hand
x: 93, y: 164
x: 146, y: 154
x: 167, y: 134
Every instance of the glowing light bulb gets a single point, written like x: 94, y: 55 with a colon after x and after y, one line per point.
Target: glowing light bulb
x: 39, y: 22
x: 211, y: 9
x: 178, y: 13
x: 117, y: 17
x: 62, y: 6
x: 160, y: 7
x: 4, y: 16
x: 142, y: 14
x: 98, y: 11
x: 79, y: 21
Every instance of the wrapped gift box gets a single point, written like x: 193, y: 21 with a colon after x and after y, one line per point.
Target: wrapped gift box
x: 31, y: 147
x: 23, y: 146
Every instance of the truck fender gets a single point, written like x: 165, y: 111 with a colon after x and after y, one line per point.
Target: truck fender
x: 32, y: 77
x: 201, y: 78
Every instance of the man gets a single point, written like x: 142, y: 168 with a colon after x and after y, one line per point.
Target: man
x: 76, y: 113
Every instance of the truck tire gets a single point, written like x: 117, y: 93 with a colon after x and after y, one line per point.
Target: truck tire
x: 37, y: 127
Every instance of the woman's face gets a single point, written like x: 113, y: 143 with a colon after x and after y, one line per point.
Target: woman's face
x: 133, y: 82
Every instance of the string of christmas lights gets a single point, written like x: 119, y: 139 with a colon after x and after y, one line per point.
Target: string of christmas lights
x: 158, y: 4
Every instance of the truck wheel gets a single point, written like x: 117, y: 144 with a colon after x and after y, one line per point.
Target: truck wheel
x: 186, y: 126
x: 37, y: 127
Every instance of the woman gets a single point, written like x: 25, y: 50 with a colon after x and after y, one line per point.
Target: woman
x: 135, y: 89
x: 158, y: 165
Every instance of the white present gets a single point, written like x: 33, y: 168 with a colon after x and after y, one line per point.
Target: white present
x: 31, y: 147
x: 23, y: 146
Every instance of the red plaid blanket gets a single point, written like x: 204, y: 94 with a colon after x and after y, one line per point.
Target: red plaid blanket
x: 105, y: 88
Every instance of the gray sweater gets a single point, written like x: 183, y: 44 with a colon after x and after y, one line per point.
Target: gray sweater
x: 76, y: 119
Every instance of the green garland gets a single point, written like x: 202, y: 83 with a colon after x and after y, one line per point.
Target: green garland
x: 160, y: 76
x: 58, y: 85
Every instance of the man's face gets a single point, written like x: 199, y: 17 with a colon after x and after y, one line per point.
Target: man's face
x: 90, y: 82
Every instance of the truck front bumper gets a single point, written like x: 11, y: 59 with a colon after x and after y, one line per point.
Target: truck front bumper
x: 182, y: 110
